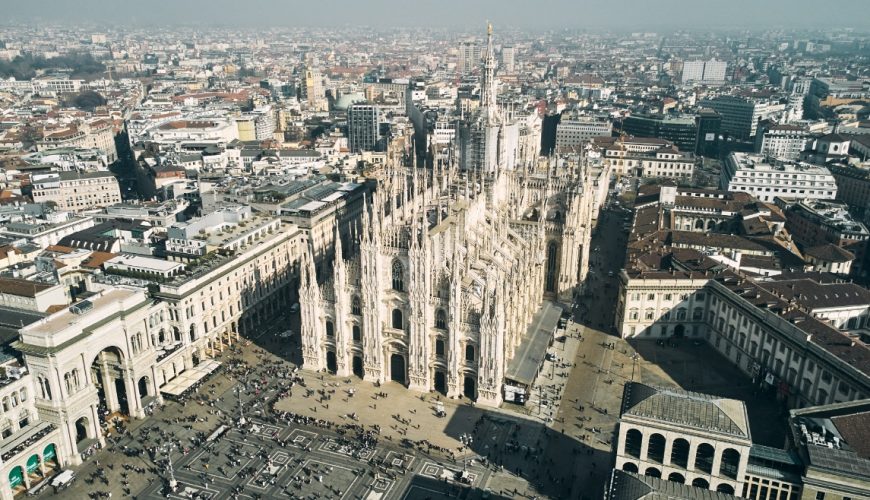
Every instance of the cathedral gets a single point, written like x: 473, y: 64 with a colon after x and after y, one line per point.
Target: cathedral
x: 435, y: 288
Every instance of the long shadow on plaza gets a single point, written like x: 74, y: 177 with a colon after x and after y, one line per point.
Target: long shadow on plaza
x: 427, y: 488
x: 284, y: 347
x: 698, y: 367
x: 542, y: 456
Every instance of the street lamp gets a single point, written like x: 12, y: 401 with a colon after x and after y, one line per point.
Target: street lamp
x: 167, y: 448
x: 633, y: 364
x: 466, y: 441
x: 239, y: 394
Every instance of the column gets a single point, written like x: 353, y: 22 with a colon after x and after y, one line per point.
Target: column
x: 75, y: 457
x: 693, y: 450
x: 109, y: 387
x: 669, y: 448
x: 620, y: 447
x: 134, y: 399
x: 6, y: 489
x: 644, y: 447
x: 154, y: 386
x: 717, y: 462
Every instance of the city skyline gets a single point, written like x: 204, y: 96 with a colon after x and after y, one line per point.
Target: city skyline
x: 512, y: 14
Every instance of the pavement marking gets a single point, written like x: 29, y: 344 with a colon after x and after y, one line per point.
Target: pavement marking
x: 415, y: 487
x: 333, y: 447
x: 191, y: 490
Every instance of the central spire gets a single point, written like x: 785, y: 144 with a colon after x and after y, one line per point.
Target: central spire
x: 487, y: 83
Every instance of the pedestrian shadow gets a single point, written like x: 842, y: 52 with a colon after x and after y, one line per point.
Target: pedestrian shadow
x: 546, y: 458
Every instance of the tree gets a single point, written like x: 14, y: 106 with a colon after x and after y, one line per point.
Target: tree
x: 87, y: 100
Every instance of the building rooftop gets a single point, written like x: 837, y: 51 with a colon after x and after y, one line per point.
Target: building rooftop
x: 630, y: 486
x: 686, y: 409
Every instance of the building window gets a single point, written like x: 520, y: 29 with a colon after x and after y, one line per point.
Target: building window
x: 440, y: 320
x: 820, y: 495
x: 397, y: 319
x: 357, y: 334
x: 355, y: 306
x: 398, y: 276
x: 439, y: 347
x: 330, y: 329
x: 469, y: 353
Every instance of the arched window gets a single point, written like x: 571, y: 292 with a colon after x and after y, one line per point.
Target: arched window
x: 6, y: 404
x: 397, y: 319
x: 633, y: 442
x: 355, y: 307
x: 725, y: 488
x: 656, y: 448
x: 730, y: 463
x: 704, y: 458
x: 439, y: 347
x: 700, y: 483
x: 192, y: 333
x: 44, y: 387
x: 23, y: 394
x: 357, y: 334
x: 680, y: 453
x: 330, y: 329
x: 469, y: 352
x: 676, y: 477
x: 398, y: 276
x: 653, y: 472
x: 440, y: 320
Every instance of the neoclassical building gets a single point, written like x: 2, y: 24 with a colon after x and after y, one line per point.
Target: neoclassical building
x: 129, y: 343
x: 684, y: 437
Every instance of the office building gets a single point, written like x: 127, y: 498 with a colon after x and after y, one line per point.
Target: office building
x: 363, y: 127
x: 470, y: 54
x: 572, y: 133
x: 706, y: 72
x: 76, y: 191
x: 781, y: 141
x: 508, y: 58
x: 767, y: 181
x: 740, y: 115
x: 680, y: 130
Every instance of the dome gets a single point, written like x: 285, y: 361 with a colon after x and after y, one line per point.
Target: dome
x: 346, y: 100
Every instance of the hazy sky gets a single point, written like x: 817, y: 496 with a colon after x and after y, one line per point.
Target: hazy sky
x: 631, y: 14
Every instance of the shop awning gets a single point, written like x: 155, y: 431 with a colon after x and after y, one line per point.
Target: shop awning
x: 529, y: 356
x: 188, y: 378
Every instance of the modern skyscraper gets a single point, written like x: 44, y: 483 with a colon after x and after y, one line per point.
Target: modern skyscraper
x: 362, y: 127
x: 469, y: 57
x: 711, y: 71
x: 508, y: 58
